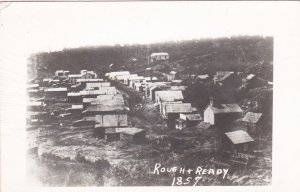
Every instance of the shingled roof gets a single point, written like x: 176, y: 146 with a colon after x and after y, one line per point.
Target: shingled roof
x: 178, y: 108
x: 238, y: 137
x: 170, y: 95
x: 251, y: 117
x: 107, y: 103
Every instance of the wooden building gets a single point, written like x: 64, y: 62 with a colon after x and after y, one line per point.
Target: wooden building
x: 56, y: 92
x: 252, y: 122
x: 187, y: 120
x: 220, y: 114
x: 156, y: 57
x: 166, y: 97
x: 74, y: 97
x: 239, y: 144
x: 132, y: 134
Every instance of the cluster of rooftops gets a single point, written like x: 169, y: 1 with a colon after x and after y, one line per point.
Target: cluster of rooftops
x: 105, y: 105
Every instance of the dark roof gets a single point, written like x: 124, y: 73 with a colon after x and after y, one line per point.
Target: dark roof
x: 238, y: 137
x: 251, y: 117
x: 226, y: 108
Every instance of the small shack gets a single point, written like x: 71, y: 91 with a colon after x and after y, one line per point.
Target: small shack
x: 132, y: 134
x: 156, y: 57
x: 56, y: 92
x: 252, y: 122
x: 187, y: 120
x: 238, y: 141
x: 74, y: 97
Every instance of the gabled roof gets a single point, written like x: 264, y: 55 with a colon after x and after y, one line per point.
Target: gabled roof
x: 77, y: 107
x: 59, y: 89
x: 169, y: 95
x: 251, y: 117
x: 178, y: 108
x: 75, y: 75
x: 158, y: 54
x: 238, y: 137
x: 88, y: 100
x: 100, y: 91
x: 226, y: 108
x: 74, y: 94
x: 178, y: 88
x: 107, y: 103
x: 249, y: 77
x: 88, y: 80
x: 97, y: 84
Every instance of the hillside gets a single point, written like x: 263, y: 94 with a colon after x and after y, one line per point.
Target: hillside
x: 251, y: 54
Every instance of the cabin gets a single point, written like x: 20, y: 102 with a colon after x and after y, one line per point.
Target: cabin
x: 111, y: 120
x: 106, y: 124
x: 83, y: 82
x: 74, y: 97
x: 239, y: 144
x: 187, y: 120
x: 133, y: 80
x: 100, y: 91
x: 96, y: 85
x: 167, y: 96
x: 75, y: 110
x: 106, y: 104
x: 56, y: 92
x: 88, y: 74
x: 127, y: 77
x: 173, y: 110
x: 252, y: 122
x: 172, y: 76
x: 87, y: 101
x: 113, y: 74
x: 222, y: 113
x: 132, y: 134
x: 159, y: 86
x: 62, y: 73
x: 156, y: 57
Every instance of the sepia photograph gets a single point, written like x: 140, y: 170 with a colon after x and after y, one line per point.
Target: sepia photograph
x: 144, y: 93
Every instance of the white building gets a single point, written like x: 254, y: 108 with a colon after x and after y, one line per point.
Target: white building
x: 159, y: 57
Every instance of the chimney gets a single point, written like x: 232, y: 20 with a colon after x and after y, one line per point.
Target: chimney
x: 211, y: 101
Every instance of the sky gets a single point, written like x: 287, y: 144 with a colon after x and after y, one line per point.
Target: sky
x: 54, y: 26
